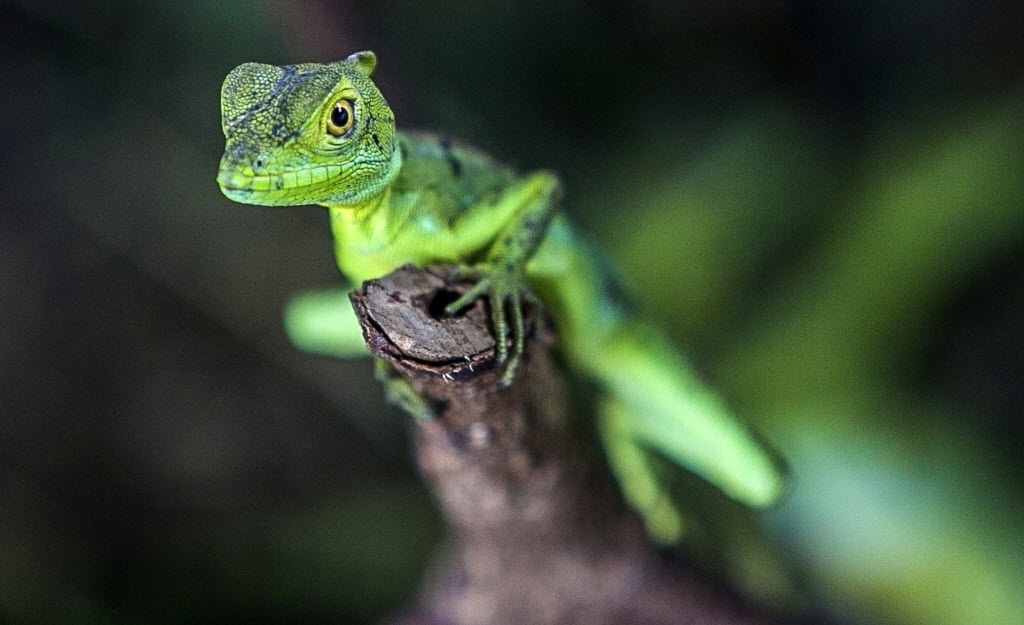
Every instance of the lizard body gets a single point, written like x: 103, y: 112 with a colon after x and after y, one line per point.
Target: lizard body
x: 323, y: 134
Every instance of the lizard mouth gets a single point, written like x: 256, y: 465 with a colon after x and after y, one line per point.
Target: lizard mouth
x: 232, y: 180
x: 273, y: 188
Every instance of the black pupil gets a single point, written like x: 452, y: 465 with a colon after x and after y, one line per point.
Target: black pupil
x: 339, y: 116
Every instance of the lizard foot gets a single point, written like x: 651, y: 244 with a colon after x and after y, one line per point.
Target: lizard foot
x: 505, y: 288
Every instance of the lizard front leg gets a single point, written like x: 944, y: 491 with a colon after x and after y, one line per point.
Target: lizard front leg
x: 526, y: 208
x: 323, y: 322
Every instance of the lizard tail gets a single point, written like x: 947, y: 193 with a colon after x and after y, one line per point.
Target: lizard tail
x: 652, y: 399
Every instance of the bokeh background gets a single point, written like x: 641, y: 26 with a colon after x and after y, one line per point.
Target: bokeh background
x: 824, y: 201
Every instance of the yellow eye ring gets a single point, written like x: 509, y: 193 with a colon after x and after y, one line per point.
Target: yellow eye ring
x: 341, y: 118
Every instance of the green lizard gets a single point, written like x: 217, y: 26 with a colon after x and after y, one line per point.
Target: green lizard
x: 323, y: 134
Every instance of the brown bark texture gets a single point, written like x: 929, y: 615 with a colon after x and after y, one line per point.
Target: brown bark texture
x: 537, y: 533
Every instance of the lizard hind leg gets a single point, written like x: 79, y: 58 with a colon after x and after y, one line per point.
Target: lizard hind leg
x: 637, y: 474
x: 661, y: 406
x: 400, y: 393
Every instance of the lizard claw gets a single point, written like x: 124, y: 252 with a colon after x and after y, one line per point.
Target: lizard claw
x: 503, y: 289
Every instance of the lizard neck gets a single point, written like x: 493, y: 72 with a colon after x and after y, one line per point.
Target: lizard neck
x: 363, y: 228
x: 363, y: 235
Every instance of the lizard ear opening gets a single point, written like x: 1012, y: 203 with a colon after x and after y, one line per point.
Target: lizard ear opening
x: 364, y: 62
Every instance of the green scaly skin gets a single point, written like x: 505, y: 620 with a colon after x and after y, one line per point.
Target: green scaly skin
x: 323, y: 134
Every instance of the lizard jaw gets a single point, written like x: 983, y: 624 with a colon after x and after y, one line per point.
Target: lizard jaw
x: 334, y: 183
x: 281, y: 189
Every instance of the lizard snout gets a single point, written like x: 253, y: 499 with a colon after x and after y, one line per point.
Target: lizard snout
x: 230, y: 179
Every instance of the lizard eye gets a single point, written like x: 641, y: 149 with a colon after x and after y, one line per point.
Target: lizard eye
x: 341, y: 118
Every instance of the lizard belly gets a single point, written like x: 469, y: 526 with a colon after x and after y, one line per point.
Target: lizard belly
x: 369, y: 259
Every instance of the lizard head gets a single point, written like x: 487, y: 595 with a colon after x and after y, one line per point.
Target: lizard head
x: 306, y: 134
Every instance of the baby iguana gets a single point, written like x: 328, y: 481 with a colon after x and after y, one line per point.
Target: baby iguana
x: 323, y: 134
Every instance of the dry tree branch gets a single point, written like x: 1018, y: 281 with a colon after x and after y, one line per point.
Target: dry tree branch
x: 537, y: 531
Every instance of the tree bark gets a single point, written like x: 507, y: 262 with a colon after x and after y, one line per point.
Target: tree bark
x: 537, y: 533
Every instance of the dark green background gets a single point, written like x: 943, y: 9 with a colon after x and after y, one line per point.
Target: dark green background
x: 823, y: 200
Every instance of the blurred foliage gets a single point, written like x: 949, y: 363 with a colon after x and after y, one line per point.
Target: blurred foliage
x: 824, y: 200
